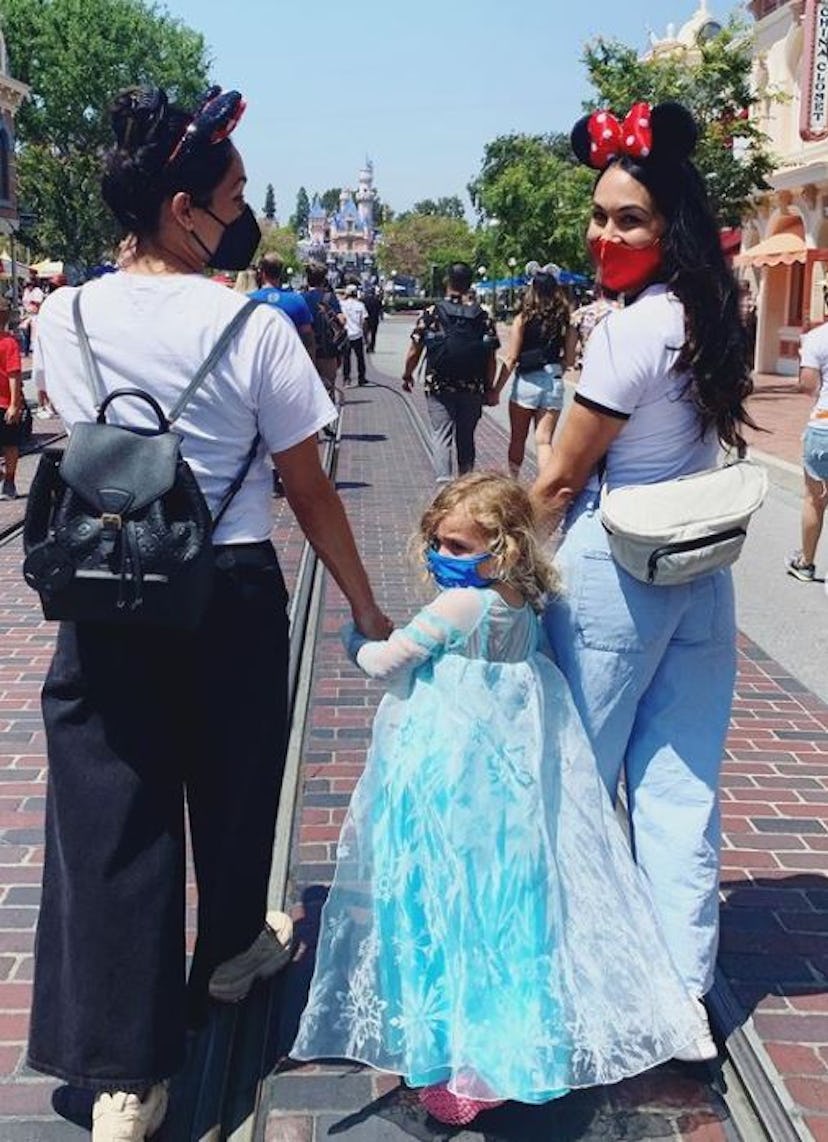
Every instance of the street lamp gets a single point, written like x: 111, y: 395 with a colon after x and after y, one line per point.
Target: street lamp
x: 289, y: 272
x: 512, y: 264
x: 491, y: 223
x: 481, y: 274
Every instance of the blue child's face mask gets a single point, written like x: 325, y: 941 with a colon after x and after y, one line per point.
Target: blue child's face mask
x: 457, y: 570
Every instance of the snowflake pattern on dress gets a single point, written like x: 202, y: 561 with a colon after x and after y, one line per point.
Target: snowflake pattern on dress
x: 486, y: 926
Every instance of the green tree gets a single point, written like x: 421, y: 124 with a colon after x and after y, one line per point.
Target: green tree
x: 446, y: 207
x: 279, y: 240
x: 330, y: 199
x: 731, y: 153
x: 423, y: 245
x: 383, y: 214
x: 537, y: 200
x: 299, y: 220
x: 270, y: 203
x: 76, y: 56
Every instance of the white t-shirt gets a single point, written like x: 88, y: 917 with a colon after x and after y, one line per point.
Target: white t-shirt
x: 813, y: 354
x: 355, y: 314
x: 33, y: 296
x: 153, y: 333
x: 628, y: 370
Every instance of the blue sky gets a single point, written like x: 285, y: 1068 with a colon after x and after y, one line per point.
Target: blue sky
x: 419, y: 88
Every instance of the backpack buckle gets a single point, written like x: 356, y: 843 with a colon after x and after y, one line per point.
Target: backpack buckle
x: 111, y: 519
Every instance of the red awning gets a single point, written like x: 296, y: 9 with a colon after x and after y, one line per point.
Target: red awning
x: 731, y: 239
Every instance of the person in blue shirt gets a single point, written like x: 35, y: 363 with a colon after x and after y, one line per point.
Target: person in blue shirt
x: 319, y: 292
x: 269, y: 276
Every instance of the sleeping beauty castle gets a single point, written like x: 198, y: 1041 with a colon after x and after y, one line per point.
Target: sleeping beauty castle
x: 345, y: 239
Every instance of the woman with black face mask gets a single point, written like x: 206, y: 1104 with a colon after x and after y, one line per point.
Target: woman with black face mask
x: 138, y: 717
x: 664, y: 381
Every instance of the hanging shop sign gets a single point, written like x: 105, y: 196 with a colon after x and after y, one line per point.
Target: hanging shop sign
x: 813, y: 116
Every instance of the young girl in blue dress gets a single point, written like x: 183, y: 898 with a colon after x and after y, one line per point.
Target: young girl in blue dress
x: 487, y: 935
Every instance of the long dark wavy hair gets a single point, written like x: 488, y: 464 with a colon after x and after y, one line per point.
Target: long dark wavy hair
x: 715, y: 350
x: 544, y: 300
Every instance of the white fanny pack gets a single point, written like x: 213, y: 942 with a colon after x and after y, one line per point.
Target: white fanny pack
x: 675, y: 530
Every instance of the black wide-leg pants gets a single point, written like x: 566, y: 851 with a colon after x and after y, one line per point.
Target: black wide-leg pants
x: 136, y: 720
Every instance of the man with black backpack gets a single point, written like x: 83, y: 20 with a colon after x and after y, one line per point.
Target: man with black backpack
x: 328, y: 323
x: 460, y: 342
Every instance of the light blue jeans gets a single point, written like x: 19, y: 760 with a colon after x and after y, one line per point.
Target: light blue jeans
x: 815, y: 451
x: 652, y: 671
x: 542, y: 389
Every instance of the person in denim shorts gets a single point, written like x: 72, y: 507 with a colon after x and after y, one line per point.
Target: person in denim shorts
x: 540, y: 347
x: 663, y: 386
x: 813, y: 378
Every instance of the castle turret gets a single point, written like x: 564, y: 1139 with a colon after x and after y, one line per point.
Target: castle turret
x: 366, y: 195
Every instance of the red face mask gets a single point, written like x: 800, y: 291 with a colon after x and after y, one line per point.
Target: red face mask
x: 623, y: 268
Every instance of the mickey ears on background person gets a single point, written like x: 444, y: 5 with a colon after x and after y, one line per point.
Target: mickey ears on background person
x: 175, y: 182
x: 543, y: 278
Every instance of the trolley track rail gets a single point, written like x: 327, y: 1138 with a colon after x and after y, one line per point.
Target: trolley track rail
x: 218, y: 1097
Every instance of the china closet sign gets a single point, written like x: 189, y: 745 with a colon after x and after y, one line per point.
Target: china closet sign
x: 813, y: 121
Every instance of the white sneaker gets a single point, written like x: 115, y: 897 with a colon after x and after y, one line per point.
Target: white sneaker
x: 44, y: 413
x: 269, y: 953
x: 703, y: 1047
x: 118, y: 1116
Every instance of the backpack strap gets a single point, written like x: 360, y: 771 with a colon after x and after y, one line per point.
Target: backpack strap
x: 238, y: 480
x: 213, y: 357
x: 92, y: 373
x: 96, y: 385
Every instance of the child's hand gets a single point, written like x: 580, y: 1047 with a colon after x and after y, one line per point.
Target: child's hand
x: 352, y: 640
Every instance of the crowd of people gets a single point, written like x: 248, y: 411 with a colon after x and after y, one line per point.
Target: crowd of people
x: 490, y: 935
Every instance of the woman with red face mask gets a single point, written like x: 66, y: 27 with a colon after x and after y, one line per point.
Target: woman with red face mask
x: 663, y: 386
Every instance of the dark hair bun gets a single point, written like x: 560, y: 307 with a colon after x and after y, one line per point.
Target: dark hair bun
x: 137, y: 114
x: 674, y: 135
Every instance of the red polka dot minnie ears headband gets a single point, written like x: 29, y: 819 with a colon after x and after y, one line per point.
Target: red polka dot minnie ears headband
x: 664, y: 133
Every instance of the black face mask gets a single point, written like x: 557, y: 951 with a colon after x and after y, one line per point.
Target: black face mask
x: 238, y: 242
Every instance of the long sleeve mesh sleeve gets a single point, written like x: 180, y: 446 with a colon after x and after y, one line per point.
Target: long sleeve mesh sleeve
x: 448, y: 619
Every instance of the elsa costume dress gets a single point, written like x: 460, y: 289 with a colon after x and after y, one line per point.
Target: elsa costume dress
x: 486, y: 927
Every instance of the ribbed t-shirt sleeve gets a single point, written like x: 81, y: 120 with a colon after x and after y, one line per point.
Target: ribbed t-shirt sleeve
x: 813, y: 350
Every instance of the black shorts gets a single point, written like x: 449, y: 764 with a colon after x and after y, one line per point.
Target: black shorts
x: 9, y: 433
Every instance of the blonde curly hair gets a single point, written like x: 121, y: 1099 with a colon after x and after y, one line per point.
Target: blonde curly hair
x: 501, y: 508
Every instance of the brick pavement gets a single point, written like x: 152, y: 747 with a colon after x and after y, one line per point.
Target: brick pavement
x: 778, y: 406
x: 775, y: 804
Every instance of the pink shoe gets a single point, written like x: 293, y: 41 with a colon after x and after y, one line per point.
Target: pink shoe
x: 453, y: 1109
